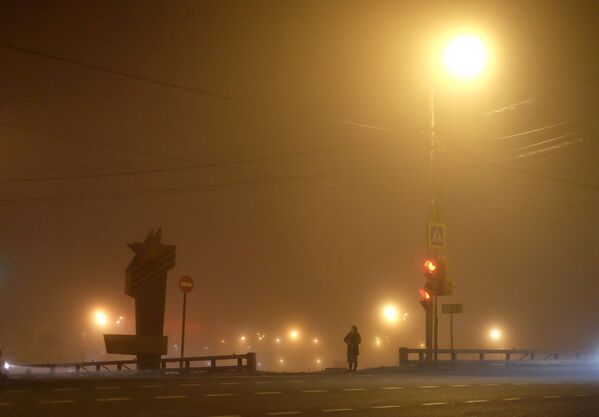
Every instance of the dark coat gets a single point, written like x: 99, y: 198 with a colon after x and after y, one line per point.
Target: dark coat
x: 353, y: 341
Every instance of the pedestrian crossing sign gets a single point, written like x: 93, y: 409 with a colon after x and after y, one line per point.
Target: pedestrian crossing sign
x: 436, y: 236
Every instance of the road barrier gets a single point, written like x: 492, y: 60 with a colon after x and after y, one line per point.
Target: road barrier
x: 241, y: 362
x: 482, y: 357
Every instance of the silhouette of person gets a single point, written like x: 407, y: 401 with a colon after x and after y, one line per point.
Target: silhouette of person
x: 353, y: 340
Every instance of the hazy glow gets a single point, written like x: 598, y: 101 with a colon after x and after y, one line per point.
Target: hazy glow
x: 465, y: 56
x: 243, y: 338
x: 390, y: 313
x: 294, y: 334
x: 315, y: 340
x: 100, y: 318
x: 495, y: 334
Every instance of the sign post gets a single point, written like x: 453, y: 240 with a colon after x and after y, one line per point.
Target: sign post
x: 451, y: 309
x: 186, y: 285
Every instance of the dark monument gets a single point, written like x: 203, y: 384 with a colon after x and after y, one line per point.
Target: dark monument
x: 145, y: 281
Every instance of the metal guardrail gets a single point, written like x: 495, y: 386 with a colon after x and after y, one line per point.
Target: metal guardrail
x: 490, y: 356
x: 241, y: 362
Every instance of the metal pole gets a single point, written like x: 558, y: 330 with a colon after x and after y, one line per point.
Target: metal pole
x: 434, y: 209
x: 183, y: 326
x: 451, y: 332
x: 436, y: 327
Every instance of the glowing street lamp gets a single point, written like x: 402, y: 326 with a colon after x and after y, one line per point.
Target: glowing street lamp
x: 390, y: 313
x: 495, y: 334
x: 315, y: 340
x: 465, y: 56
x: 100, y: 318
x: 294, y: 334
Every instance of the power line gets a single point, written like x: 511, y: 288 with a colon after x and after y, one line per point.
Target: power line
x: 544, y: 142
x: 546, y: 149
x: 540, y: 129
x: 534, y: 99
x: 184, y: 87
x: 173, y: 190
x: 183, y: 168
x: 90, y: 142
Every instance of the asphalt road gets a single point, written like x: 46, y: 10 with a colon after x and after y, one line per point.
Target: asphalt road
x: 374, y: 393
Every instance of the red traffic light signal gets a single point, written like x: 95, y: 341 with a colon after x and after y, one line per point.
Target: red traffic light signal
x: 434, y: 268
x: 424, y: 294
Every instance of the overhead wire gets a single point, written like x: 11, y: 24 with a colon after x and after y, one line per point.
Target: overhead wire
x: 536, y: 98
x: 186, y: 88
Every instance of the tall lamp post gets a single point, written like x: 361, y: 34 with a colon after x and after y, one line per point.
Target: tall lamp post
x: 464, y: 57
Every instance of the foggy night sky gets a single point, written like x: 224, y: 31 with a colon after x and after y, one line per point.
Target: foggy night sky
x: 336, y: 224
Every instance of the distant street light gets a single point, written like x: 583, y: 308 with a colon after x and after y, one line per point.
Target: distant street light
x: 495, y: 334
x: 243, y: 338
x: 315, y: 340
x: 294, y: 334
x: 100, y: 318
x: 390, y: 313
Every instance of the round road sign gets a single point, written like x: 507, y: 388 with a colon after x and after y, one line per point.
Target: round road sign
x: 186, y: 284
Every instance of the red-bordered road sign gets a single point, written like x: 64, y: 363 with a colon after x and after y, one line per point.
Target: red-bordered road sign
x: 186, y: 284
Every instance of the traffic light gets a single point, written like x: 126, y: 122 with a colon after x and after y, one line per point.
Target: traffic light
x: 434, y: 270
x: 426, y: 301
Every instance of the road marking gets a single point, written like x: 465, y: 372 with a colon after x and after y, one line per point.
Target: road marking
x: 460, y: 385
x: 114, y: 399
x: 190, y: 385
x: 354, y: 389
x: 57, y: 402
x: 5, y: 404
x: 153, y: 386
x: 581, y: 395
x: 169, y: 397
x: 335, y: 410
x: 521, y: 383
x: 218, y: 395
x: 548, y: 397
x: 490, y: 385
x: 428, y: 386
x: 512, y: 399
x: 382, y: 407
x: 315, y: 390
x: 392, y: 388
x: 282, y: 413
x: 432, y: 404
x: 263, y: 382
x: 65, y: 389
x: 476, y: 401
x: 17, y: 391
x: 229, y: 383
x: 232, y: 415
x: 295, y: 381
x: 110, y: 387
x: 267, y: 392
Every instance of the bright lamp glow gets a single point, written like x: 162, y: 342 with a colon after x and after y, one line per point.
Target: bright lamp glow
x: 390, y: 313
x: 465, y: 56
x: 294, y: 334
x: 100, y: 318
x: 495, y: 334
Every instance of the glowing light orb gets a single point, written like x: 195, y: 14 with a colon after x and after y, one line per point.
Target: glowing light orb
x: 100, y: 318
x: 465, y: 56
x: 390, y: 313
x: 495, y: 334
